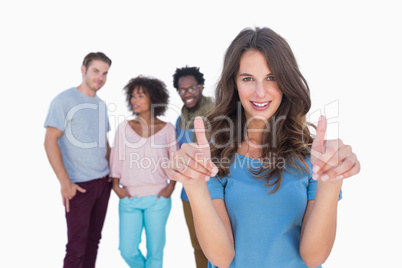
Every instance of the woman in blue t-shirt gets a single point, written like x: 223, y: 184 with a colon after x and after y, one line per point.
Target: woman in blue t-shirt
x: 273, y: 202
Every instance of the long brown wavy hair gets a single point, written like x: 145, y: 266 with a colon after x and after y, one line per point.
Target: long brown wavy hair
x: 287, y: 136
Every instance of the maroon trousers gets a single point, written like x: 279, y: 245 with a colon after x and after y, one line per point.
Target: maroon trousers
x: 85, y: 222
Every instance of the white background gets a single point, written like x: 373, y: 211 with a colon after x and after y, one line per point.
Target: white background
x: 349, y: 52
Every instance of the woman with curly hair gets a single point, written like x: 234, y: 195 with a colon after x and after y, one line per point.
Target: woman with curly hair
x: 142, y: 146
x: 274, y: 196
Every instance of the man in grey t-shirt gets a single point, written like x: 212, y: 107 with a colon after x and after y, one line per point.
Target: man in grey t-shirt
x: 78, y: 151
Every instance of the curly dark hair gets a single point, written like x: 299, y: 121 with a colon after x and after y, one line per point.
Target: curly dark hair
x: 185, y: 71
x: 154, y: 88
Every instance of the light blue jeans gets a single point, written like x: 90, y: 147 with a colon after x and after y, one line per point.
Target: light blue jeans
x: 151, y: 214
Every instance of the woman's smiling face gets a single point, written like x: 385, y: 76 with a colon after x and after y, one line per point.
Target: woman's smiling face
x: 259, y: 93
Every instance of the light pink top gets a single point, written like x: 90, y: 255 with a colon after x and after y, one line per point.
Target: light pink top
x: 139, y: 161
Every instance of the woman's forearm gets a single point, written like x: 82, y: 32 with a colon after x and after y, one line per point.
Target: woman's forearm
x: 319, y: 226
x: 212, y: 234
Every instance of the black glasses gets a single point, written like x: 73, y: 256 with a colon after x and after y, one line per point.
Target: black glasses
x: 191, y: 90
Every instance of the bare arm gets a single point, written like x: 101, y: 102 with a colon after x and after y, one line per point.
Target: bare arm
x: 108, y: 152
x: 168, y: 190
x: 192, y: 166
x: 332, y: 162
x: 54, y: 154
x: 68, y: 189
x: 319, y: 224
x: 212, y: 225
x: 120, y: 192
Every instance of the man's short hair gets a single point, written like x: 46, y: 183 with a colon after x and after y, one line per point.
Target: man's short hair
x: 96, y: 56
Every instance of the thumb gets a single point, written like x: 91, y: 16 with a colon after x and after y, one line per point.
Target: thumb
x: 82, y: 190
x: 199, y: 129
x: 319, y: 139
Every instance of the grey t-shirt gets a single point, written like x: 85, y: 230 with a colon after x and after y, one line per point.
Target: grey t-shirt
x: 84, y: 122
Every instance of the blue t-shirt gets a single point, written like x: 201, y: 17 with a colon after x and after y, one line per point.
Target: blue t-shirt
x: 183, y: 136
x: 84, y: 122
x: 266, y: 227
